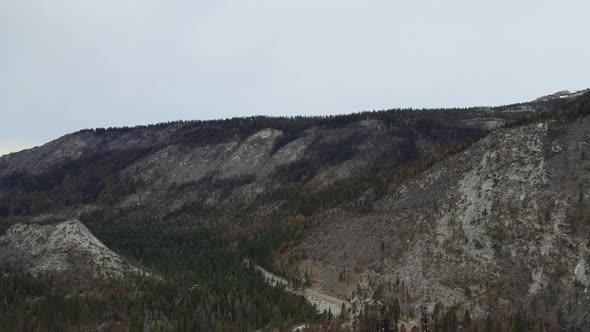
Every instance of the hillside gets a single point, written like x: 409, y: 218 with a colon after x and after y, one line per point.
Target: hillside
x: 180, y: 167
x: 66, y: 250
x: 424, y: 217
x: 503, y: 223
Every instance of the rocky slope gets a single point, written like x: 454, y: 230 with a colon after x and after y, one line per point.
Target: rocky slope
x: 503, y: 223
x: 66, y: 249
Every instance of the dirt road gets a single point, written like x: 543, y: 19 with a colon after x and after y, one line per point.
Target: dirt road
x: 320, y: 300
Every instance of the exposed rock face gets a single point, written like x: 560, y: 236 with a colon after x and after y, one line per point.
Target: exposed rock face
x: 66, y: 249
x: 177, y: 164
x: 505, y: 221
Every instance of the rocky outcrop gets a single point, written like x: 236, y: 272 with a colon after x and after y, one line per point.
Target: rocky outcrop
x: 66, y: 249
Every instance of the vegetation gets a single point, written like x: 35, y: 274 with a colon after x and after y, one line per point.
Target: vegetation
x: 95, y: 178
x: 198, y: 284
x: 386, y: 317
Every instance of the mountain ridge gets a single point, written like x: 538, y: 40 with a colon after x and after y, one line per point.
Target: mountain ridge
x: 329, y: 148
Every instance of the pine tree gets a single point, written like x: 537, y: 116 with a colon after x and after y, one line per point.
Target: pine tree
x: 467, y: 319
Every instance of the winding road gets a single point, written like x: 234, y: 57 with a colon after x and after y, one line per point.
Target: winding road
x: 320, y: 300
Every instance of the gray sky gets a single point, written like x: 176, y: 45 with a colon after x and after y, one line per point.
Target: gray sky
x: 72, y: 64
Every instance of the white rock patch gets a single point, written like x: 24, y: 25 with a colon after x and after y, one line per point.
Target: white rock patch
x: 67, y: 246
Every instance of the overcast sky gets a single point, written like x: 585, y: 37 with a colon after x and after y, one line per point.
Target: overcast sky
x: 72, y: 64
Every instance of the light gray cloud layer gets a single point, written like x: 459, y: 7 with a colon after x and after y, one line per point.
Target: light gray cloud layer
x: 72, y: 64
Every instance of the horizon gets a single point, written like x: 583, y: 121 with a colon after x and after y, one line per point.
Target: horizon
x: 7, y: 147
x: 70, y: 64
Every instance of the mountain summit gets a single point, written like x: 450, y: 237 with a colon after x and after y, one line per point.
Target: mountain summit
x: 564, y: 94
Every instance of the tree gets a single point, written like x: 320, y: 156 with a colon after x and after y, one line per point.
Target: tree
x: 519, y: 324
x: 467, y: 319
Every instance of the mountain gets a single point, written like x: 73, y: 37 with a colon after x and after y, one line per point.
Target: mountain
x: 507, y: 218
x: 433, y: 218
x: 180, y: 166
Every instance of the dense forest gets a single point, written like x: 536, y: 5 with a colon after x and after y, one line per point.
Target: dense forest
x: 197, y: 282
